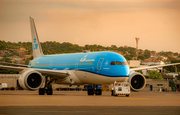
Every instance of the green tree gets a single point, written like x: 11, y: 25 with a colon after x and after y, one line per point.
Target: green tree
x: 133, y: 54
x: 176, y: 54
x: 128, y: 57
x: 114, y: 47
x: 178, y: 77
x: 172, y: 85
x: 147, y: 53
x: 172, y: 68
x: 140, y: 71
x: 6, y: 59
x: 141, y: 57
x: 155, y: 75
x: 170, y: 59
x: 27, y: 61
x: 3, y: 71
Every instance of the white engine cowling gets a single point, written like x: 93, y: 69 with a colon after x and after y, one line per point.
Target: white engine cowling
x: 31, y: 79
x: 137, y: 81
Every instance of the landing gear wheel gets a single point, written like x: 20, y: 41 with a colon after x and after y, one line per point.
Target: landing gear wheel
x: 90, y: 91
x: 48, y: 87
x: 112, y: 93
x: 49, y: 90
x: 98, y: 92
x: 41, y: 91
x: 127, y: 95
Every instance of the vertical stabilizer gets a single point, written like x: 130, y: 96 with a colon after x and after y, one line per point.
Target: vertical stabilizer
x: 36, y: 46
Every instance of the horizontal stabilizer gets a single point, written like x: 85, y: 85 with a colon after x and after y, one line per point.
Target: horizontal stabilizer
x: 12, y: 64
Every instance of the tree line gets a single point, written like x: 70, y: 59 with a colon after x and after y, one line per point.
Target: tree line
x: 53, y: 47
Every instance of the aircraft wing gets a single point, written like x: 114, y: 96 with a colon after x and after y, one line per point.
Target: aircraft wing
x: 151, y: 67
x: 51, y: 73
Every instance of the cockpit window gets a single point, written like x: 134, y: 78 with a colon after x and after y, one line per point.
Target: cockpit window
x: 112, y: 63
x: 118, y: 63
x: 124, y: 63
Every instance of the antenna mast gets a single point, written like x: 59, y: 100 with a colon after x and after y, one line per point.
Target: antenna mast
x: 137, y: 40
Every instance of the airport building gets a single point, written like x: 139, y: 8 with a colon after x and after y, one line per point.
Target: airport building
x: 156, y: 85
x: 8, y: 80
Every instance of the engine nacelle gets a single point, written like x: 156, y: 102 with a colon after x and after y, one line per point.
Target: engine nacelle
x: 31, y: 79
x: 137, y: 81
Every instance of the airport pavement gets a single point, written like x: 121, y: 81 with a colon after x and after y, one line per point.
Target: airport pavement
x: 89, y: 110
x: 78, y: 102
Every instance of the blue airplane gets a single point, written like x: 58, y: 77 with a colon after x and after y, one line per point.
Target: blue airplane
x: 94, y: 68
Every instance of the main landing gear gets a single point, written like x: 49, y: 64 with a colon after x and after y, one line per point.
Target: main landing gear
x: 94, y: 90
x: 47, y: 88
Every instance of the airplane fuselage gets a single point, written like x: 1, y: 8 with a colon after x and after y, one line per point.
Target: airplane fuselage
x: 86, y: 68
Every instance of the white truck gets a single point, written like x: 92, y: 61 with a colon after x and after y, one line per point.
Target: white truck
x: 120, y: 88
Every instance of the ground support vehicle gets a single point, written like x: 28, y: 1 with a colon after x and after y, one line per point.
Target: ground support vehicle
x: 120, y: 88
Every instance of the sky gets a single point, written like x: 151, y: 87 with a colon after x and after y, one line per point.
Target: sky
x: 101, y: 22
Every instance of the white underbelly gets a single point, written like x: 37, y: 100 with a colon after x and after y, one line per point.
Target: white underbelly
x: 82, y: 77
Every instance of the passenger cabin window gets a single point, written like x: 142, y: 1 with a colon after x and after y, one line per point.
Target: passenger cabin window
x: 112, y: 63
x: 81, y: 63
x: 118, y: 63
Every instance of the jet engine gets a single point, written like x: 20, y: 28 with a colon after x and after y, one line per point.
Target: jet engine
x: 137, y: 81
x: 31, y: 79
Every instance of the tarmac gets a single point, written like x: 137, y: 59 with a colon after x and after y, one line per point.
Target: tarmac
x: 79, y: 103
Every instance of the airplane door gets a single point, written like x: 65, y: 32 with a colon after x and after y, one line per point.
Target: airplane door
x: 51, y: 64
x: 76, y: 65
x: 100, y: 64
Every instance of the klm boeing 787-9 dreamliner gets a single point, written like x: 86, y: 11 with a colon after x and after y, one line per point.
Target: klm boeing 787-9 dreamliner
x: 95, y: 68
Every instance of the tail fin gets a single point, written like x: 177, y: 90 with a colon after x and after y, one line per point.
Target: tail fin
x: 37, y: 50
